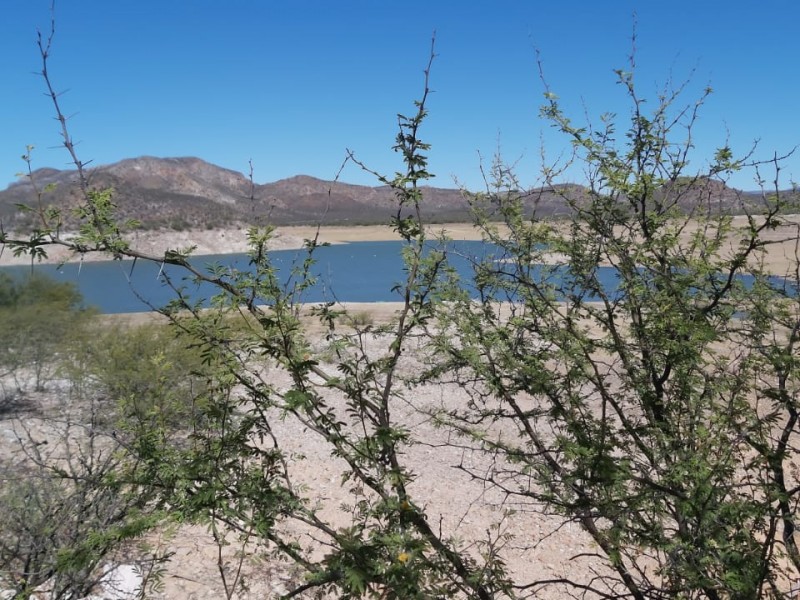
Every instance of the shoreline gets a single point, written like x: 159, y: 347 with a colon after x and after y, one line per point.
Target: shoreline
x: 780, y: 257
x: 234, y: 240
x: 379, y: 312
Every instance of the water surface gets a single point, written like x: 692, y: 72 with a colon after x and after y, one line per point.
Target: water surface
x: 354, y: 272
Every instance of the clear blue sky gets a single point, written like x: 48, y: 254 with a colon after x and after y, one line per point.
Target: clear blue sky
x: 290, y: 84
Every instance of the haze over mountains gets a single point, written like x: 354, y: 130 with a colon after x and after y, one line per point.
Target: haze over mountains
x: 182, y: 193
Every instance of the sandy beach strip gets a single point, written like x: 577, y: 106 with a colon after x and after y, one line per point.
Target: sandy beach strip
x: 781, y: 256
x: 233, y: 241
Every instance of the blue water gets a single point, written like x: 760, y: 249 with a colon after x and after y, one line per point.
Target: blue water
x: 356, y: 272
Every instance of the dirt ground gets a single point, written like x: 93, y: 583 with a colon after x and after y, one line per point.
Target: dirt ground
x: 451, y: 500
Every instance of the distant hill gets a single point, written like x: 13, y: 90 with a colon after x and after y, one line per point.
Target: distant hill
x: 189, y: 192
x: 182, y: 193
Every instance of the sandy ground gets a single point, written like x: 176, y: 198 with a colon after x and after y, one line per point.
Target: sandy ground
x: 535, y: 545
x: 224, y: 241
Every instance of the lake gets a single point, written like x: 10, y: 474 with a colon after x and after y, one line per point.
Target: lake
x: 355, y: 272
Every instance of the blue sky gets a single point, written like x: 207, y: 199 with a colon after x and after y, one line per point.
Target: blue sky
x: 292, y: 84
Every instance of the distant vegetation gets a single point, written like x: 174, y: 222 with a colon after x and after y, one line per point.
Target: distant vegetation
x: 38, y: 317
x: 68, y: 390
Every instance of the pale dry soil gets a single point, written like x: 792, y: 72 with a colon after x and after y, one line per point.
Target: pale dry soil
x: 228, y: 241
x: 781, y: 254
x: 535, y: 545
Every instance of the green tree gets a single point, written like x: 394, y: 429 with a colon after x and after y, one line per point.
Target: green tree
x: 657, y: 410
x: 234, y: 473
x: 37, y: 318
x: 146, y: 371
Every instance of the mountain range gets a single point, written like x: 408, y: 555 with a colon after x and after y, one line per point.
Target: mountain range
x: 182, y: 193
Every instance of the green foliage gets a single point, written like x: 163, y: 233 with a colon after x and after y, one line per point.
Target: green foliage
x: 38, y: 316
x: 659, y: 415
x: 233, y: 473
x: 362, y: 318
x: 149, y: 373
x: 37, y: 289
x: 100, y: 229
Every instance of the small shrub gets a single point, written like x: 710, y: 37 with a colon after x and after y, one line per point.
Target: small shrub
x: 361, y: 319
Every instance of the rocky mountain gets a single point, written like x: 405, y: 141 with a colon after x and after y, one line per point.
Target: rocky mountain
x: 189, y: 192
x: 182, y: 193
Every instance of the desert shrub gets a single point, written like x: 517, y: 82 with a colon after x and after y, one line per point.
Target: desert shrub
x: 655, y: 408
x: 38, y: 316
x: 146, y: 373
x: 65, y: 507
x: 361, y: 319
x: 69, y: 501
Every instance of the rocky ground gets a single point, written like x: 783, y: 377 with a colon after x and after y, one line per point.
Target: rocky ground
x: 534, y: 544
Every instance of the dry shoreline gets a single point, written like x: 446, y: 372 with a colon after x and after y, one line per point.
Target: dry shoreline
x: 380, y: 313
x: 781, y: 253
x: 234, y: 240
